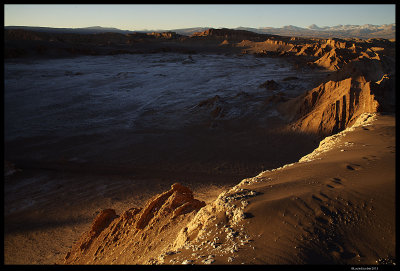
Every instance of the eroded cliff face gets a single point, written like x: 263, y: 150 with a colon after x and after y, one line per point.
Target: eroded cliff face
x: 139, y: 234
x: 332, y: 106
x: 363, y: 85
x: 332, y: 54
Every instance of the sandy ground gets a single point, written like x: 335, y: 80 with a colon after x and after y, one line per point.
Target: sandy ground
x: 337, y: 209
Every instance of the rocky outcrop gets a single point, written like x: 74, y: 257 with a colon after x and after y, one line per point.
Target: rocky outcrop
x: 370, y: 69
x: 226, y: 210
x: 165, y: 35
x: 335, y: 105
x: 139, y: 233
x: 363, y: 82
x: 230, y: 34
x: 270, y: 85
x: 332, y: 106
x: 331, y: 60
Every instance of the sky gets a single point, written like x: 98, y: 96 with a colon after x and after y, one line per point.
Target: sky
x: 167, y: 17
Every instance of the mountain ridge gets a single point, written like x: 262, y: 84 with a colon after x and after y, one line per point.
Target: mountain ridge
x: 366, y: 31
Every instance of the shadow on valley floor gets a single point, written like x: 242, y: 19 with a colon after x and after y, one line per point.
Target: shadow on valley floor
x: 33, y: 222
x: 191, y: 154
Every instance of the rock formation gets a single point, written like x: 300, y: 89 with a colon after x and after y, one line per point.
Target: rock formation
x: 230, y: 34
x: 270, y: 85
x: 139, y: 233
x: 333, y: 106
x: 165, y: 35
x: 362, y: 85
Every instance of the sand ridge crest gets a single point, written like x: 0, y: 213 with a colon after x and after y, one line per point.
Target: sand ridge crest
x: 329, y: 142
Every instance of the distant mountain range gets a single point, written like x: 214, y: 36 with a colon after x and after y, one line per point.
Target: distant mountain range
x: 366, y: 31
x: 84, y: 30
